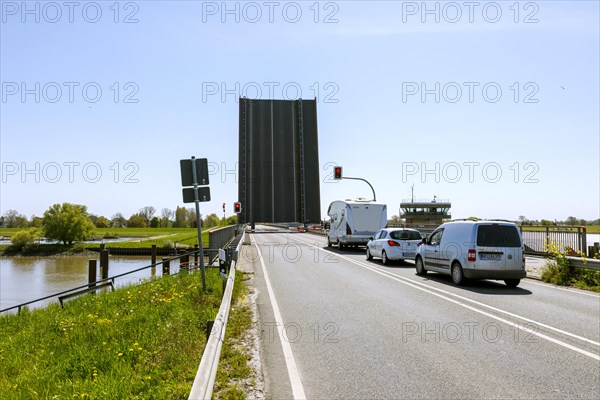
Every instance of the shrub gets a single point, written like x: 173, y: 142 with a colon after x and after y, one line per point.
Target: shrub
x: 24, y: 239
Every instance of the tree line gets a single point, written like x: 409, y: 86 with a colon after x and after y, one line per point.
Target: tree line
x: 146, y: 217
x: 70, y: 223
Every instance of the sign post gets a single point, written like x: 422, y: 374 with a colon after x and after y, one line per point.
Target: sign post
x: 199, y: 175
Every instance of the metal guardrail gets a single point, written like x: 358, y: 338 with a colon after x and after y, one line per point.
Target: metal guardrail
x: 588, y: 263
x: 204, y: 381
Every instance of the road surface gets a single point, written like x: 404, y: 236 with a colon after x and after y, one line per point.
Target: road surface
x: 336, y: 326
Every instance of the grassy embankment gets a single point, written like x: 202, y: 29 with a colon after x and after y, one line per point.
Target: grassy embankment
x: 143, y: 341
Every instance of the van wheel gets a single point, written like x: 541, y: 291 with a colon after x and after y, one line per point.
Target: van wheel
x: 512, y: 282
x: 369, y: 256
x: 328, y: 242
x: 420, y: 267
x: 458, y: 278
x: 340, y: 245
x: 384, y: 259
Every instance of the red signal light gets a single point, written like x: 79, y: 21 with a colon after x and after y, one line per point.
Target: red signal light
x: 337, y: 172
x: 237, y: 207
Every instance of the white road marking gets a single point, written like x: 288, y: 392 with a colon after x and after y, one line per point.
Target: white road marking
x: 290, y: 362
x: 430, y: 290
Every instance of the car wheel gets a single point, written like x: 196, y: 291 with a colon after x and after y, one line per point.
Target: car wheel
x: 369, y: 256
x: 512, y: 282
x: 340, y: 245
x: 420, y: 267
x: 458, y: 277
x: 328, y: 242
x: 384, y: 259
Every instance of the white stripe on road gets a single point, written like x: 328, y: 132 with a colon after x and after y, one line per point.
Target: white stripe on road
x: 290, y: 362
x: 430, y: 290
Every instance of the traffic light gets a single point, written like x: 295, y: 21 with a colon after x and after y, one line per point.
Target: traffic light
x: 237, y: 207
x: 337, y: 172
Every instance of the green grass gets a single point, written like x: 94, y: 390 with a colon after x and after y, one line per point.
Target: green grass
x: 558, y: 272
x: 233, y: 365
x: 187, y: 238
x: 139, y: 342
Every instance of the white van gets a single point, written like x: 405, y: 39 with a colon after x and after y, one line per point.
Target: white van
x: 474, y: 249
x: 353, y: 222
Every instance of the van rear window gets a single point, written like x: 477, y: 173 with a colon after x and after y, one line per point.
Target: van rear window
x: 405, y: 235
x: 498, y: 236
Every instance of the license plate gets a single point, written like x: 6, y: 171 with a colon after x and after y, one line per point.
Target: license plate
x: 409, y: 254
x: 490, y: 257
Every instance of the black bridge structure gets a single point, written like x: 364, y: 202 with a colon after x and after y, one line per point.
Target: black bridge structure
x: 278, y: 161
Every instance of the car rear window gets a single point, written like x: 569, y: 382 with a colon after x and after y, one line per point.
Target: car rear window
x: 405, y: 235
x: 498, y: 236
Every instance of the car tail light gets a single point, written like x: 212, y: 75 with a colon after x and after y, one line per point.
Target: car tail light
x: 392, y: 243
x: 420, y: 243
x: 472, y: 255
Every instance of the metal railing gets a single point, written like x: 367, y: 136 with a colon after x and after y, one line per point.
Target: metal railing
x: 218, y: 238
x: 567, y: 238
x: 204, y: 381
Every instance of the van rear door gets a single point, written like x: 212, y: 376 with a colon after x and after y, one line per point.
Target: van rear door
x: 498, y: 247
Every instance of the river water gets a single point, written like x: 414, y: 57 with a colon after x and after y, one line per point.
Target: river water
x: 23, y: 279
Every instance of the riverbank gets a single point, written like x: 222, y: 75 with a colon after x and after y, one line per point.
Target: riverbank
x: 142, y: 341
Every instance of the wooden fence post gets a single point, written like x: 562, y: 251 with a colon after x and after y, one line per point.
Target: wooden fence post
x: 166, y: 266
x: 104, y: 264
x: 92, y: 266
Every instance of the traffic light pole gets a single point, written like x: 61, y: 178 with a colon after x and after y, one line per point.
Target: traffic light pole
x: 364, y: 180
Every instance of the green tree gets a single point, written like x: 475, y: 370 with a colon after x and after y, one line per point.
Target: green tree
x: 12, y: 219
x: 67, y: 223
x: 36, y: 222
x: 154, y: 222
x: 147, y: 212
x: 102, y: 222
x: 118, y: 221
x: 191, y: 216
x: 181, y: 218
x: 166, y: 215
x: 211, y: 220
x: 137, y: 221
x: 571, y: 221
x: 21, y: 239
x: 232, y: 220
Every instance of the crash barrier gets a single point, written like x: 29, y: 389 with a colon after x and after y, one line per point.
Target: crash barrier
x: 207, y: 370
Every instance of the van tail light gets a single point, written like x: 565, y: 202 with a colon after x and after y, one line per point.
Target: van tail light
x: 420, y: 243
x: 472, y: 255
x: 392, y: 243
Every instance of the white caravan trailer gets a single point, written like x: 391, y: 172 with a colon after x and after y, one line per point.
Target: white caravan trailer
x: 353, y: 222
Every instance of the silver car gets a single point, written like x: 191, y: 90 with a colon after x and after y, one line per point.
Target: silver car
x: 394, y: 244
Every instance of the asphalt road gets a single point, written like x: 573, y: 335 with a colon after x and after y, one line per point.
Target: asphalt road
x: 335, y: 326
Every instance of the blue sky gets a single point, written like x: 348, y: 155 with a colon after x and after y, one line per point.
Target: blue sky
x: 493, y: 105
